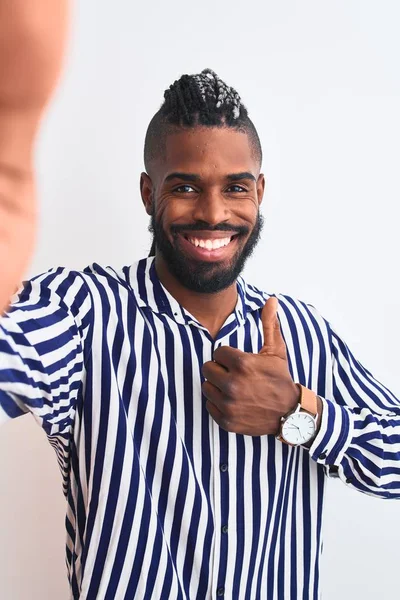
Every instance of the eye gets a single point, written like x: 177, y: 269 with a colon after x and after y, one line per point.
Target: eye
x: 184, y: 189
x: 236, y: 188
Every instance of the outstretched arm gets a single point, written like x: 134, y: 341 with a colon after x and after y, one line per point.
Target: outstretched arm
x: 32, y: 38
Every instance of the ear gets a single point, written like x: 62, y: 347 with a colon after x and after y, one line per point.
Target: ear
x: 146, y: 190
x: 260, y: 188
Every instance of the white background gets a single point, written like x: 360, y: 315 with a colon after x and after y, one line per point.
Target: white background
x: 321, y: 80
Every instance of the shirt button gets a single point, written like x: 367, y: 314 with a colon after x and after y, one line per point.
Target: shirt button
x: 349, y: 480
x: 224, y: 529
x: 220, y: 591
x: 223, y: 467
x: 322, y: 456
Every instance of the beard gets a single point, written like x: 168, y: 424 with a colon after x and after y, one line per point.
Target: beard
x: 202, y: 276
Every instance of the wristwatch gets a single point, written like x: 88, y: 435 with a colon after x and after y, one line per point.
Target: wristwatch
x: 299, y: 426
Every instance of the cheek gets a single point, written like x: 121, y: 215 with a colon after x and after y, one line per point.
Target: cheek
x: 170, y: 210
x: 160, y: 210
x: 246, y: 209
x: 248, y: 215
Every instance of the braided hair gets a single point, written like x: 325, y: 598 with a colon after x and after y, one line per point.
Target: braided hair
x: 202, y: 100
x: 198, y: 100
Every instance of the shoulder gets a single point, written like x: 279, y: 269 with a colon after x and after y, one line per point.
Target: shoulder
x: 54, y: 285
x: 94, y: 285
x: 301, y: 314
x: 108, y: 281
x: 292, y: 311
x: 63, y: 286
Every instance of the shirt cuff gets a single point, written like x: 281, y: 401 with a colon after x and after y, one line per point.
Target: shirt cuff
x: 334, y: 436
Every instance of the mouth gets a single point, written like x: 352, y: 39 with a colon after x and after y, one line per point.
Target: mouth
x: 209, y: 249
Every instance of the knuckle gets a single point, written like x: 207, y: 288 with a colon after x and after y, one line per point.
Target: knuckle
x: 240, y: 362
x: 225, y: 424
x: 231, y: 389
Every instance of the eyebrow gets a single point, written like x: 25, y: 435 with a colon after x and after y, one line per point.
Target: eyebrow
x: 183, y: 176
x: 239, y: 176
x: 193, y: 177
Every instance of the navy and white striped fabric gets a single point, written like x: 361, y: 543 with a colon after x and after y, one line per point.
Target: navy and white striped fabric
x: 161, y: 502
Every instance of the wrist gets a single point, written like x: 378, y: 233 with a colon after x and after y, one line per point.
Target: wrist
x: 303, y: 420
x: 318, y: 423
x: 295, y: 398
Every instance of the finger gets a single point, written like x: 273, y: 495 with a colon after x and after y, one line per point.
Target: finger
x: 230, y: 358
x: 213, y: 395
x: 273, y: 340
x: 217, y: 415
x: 215, y: 373
x: 215, y: 406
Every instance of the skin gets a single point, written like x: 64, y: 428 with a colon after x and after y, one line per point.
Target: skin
x: 212, y: 155
x: 32, y: 38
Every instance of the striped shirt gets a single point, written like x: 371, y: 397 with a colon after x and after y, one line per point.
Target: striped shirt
x: 161, y: 502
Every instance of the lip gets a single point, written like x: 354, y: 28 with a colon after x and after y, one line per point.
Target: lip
x: 209, y: 255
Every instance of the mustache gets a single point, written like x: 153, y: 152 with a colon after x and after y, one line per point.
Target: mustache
x: 237, y: 229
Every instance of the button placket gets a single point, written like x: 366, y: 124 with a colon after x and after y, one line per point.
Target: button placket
x: 221, y: 438
x: 221, y: 501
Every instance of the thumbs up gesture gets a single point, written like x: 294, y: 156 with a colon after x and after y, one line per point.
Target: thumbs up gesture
x: 249, y: 393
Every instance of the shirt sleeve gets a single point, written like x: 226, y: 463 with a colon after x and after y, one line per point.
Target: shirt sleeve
x: 43, y: 344
x: 359, y: 437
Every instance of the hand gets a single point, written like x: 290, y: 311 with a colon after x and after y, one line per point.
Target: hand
x: 32, y: 35
x: 249, y: 393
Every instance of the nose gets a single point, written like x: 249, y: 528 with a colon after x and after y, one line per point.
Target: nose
x: 211, y: 208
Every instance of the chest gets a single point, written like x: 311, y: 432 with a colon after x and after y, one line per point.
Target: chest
x: 151, y: 369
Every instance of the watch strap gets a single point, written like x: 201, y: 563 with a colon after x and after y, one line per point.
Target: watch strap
x: 308, y: 400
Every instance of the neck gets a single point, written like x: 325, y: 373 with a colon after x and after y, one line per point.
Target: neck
x: 211, y: 310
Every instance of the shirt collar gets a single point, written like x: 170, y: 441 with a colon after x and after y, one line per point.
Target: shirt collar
x: 150, y: 293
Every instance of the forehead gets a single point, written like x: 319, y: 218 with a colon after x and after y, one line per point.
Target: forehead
x: 204, y: 149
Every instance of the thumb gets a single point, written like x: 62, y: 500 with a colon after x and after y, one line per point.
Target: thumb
x: 274, y: 343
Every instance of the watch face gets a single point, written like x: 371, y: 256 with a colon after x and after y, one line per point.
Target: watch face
x: 298, y: 428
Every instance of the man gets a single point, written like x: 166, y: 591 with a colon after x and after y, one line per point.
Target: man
x: 193, y: 425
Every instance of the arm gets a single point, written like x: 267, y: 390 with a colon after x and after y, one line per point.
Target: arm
x: 31, y: 44
x: 44, y: 339
x: 359, y: 435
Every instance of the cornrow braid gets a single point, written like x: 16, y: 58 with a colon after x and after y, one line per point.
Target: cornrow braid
x: 202, y: 98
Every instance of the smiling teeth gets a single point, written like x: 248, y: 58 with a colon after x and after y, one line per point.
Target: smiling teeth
x: 210, y: 244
